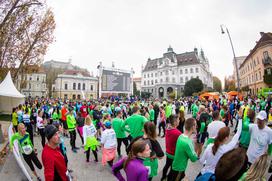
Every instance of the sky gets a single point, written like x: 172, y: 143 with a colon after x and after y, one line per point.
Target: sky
x: 128, y: 32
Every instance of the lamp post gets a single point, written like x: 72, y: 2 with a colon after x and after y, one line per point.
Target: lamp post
x: 236, y: 64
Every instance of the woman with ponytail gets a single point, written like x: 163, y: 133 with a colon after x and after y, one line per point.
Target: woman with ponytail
x: 213, y: 152
x: 133, y: 164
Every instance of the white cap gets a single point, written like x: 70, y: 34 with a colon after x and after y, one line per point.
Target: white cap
x: 262, y: 115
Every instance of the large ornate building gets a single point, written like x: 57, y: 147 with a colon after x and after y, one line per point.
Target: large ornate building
x: 76, y: 84
x: 256, y: 70
x: 169, y: 73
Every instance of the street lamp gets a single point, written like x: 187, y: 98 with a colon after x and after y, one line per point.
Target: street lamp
x: 236, y: 64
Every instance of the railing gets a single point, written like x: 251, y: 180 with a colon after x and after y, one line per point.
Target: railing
x: 17, y: 154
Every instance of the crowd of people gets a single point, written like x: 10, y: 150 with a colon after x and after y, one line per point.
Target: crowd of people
x: 231, y: 138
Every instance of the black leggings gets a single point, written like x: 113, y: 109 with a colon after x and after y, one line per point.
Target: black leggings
x: 167, y: 165
x: 29, y: 129
x: 42, y: 133
x: 162, y: 125
x: 176, y: 175
x: 32, y: 158
x: 88, y: 154
x: 119, y: 143
x: 73, y: 139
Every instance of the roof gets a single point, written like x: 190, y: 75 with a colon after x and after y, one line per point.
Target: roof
x: 8, y: 89
x: 266, y: 38
x: 75, y: 72
x: 187, y: 58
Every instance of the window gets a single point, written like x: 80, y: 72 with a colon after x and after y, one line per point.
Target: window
x: 148, y: 82
x: 252, y: 78
x: 78, y: 86
x: 196, y: 70
x: 144, y: 82
x: 38, y: 78
x: 30, y: 78
x: 173, y: 80
x: 147, y: 75
x: 181, y: 79
x: 191, y: 70
x: 91, y: 87
x: 144, y: 76
x: 256, y: 77
x: 152, y: 90
x: 167, y: 79
x: 152, y: 82
x: 65, y: 96
x: 192, y: 77
x: 74, y: 86
x: 197, y: 77
x: 161, y: 73
x: 181, y: 72
x: 268, y: 71
x: 186, y: 71
x: 156, y: 74
x: 65, y: 86
x: 258, y: 60
x: 151, y: 74
x: 260, y: 74
x: 186, y: 79
x: 156, y: 81
x: 29, y: 86
x: 83, y: 86
x: 161, y: 80
x: 166, y: 72
x: 173, y: 72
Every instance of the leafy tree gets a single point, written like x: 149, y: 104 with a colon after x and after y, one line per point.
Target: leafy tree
x: 229, y: 85
x: 146, y: 95
x: 26, y: 30
x: 217, y: 85
x: 193, y: 86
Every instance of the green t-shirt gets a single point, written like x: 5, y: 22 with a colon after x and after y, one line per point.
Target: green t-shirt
x: 184, y: 152
x: 245, y: 135
x: 117, y: 125
x: 24, y: 143
x: 55, y: 116
x: 71, y: 122
x: 202, y: 127
x: 152, y: 115
x: 14, y: 119
x: 168, y: 110
x: 136, y: 125
x: 222, y: 113
x: 262, y: 104
x: 195, y: 111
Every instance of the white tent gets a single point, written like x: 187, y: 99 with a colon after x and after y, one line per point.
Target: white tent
x: 9, y: 96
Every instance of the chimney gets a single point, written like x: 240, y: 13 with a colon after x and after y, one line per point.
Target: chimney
x: 261, y: 33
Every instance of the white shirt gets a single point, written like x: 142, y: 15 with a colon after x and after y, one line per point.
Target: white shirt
x: 214, y: 127
x: 210, y: 160
x: 40, y: 122
x: 108, y: 139
x: 259, y: 141
x: 88, y: 131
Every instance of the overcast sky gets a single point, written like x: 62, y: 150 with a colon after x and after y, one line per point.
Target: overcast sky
x: 127, y: 32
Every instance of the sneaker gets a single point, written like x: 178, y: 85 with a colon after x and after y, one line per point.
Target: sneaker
x: 77, y: 148
x: 74, y: 150
x: 39, y: 179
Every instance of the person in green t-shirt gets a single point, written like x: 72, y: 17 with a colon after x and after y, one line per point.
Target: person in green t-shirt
x: 71, y: 123
x: 26, y: 148
x: 195, y: 109
x: 184, y: 151
x: 168, y: 111
x: 151, y: 113
x: 117, y: 125
x: 245, y: 134
x: 135, y: 123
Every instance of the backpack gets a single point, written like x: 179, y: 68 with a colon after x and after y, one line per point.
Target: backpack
x: 206, y: 177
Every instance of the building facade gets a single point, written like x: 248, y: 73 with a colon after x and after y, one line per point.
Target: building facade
x: 137, y: 81
x: 239, y: 60
x: 256, y: 70
x: 76, y: 84
x: 169, y: 73
x: 32, y: 83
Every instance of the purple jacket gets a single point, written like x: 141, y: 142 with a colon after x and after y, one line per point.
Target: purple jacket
x: 135, y: 171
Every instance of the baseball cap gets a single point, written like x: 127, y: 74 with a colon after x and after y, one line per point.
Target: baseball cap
x: 262, y: 115
x: 107, y: 124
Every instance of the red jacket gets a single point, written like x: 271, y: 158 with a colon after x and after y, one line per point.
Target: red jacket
x: 84, y: 111
x: 54, y: 164
x: 171, y: 136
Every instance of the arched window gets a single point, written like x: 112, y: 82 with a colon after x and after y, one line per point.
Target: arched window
x: 74, y: 86
x: 78, y: 86
x: 83, y: 86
